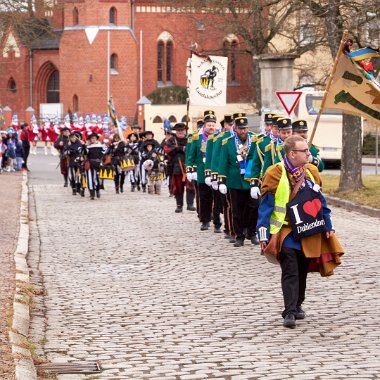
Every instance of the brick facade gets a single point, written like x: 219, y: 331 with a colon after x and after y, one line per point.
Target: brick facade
x: 83, y: 66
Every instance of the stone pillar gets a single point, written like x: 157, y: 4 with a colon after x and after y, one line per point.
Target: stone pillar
x: 7, y: 112
x: 276, y: 75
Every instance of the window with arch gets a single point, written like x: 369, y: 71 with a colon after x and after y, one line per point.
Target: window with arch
x: 113, y: 16
x: 12, y: 85
x: 160, y: 59
x: 75, y: 16
x: 185, y: 119
x: 114, y: 63
x: 169, y: 53
x: 52, y: 92
x: 230, y: 50
x: 172, y: 119
x: 164, y: 58
x: 75, y: 103
x: 158, y: 119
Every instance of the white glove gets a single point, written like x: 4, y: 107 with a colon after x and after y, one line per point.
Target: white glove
x: 194, y: 176
x: 208, y: 181
x: 215, y: 185
x: 223, y: 188
x: 255, y: 192
x: 189, y: 176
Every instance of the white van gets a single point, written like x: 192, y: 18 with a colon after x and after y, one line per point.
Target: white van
x: 328, y: 136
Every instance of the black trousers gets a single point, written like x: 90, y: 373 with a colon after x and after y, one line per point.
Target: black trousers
x: 217, y: 208
x: 226, y: 206
x: 294, y: 267
x: 244, y: 213
x: 205, y: 202
x: 26, y: 155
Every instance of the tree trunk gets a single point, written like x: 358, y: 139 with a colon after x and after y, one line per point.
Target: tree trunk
x: 256, y: 83
x: 351, y: 170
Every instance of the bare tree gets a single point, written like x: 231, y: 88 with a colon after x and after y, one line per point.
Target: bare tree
x: 353, y: 15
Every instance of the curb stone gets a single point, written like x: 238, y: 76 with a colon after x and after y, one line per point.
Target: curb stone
x: 352, y: 206
x: 18, y: 335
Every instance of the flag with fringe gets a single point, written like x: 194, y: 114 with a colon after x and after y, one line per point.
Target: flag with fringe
x: 353, y: 90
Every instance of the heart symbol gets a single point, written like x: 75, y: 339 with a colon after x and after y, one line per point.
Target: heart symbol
x: 312, y: 207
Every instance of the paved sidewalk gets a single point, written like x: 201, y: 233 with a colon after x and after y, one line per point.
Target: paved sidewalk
x: 140, y: 289
x: 10, y: 193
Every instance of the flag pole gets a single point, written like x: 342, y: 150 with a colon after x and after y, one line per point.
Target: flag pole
x: 340, y: 50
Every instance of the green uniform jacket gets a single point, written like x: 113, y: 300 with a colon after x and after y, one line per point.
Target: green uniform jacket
x: 195, y: 158
x: 314, y: 151
x: 255, y: 163
x: 188, y: 149
x: 229, y: 167
x: 215, y: 161
x: 209, y: 149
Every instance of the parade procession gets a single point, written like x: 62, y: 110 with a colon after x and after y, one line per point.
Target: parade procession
x: 189, y: 190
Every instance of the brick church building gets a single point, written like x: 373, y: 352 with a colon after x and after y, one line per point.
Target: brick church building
x: 120, y: 48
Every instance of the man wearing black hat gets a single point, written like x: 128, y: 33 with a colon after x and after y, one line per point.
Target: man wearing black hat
x: 175, y: 149
x: 300, y: 128
x: 147, y: 140
x: 94, y: 152
x: 231, y: 176
x: 74, y: 150
x: 196, y: 167
x: 60, y: 144
x: 227, y: 129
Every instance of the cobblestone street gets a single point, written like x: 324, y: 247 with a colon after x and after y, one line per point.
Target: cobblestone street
x: 140, y: 289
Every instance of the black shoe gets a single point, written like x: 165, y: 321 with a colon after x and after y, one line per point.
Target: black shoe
x: 82, y: 192
x: 191, y: 208
x: 232, y: 239
x: 144, y: 189
x: 255, y: 240
x: 138, y: 188
x: 204, y: 226
x: 227, y: 235
x: 74, y: 191
x: 217, y: 230
x: 92, y: 197
x: 65, y: 184
x: 97, y: 193
x: 290, y: 321
x: 300, y: 314
x: 178, y: 209
x: 133, y: 188
x: 239, y: 243
x: 117, y: 190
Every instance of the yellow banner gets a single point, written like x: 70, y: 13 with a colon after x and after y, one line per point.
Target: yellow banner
x: 353, y: 92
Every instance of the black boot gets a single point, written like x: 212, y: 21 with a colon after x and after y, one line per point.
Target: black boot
x: 92, y: 194
x: 178, y: 209
x: 74, y: 191
x: 82, y: 192
x: 98, y: 193
x: 117, y: 189
x: 133, y: 187
x: 66, y: 181
x: 122, y: 179
x: 121, y: 189
x: 190, y: 196
x: 138, y: 188
x: 144, y: 188
x: 179, y: 200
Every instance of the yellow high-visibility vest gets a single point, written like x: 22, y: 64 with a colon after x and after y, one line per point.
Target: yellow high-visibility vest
x: 281, y: 198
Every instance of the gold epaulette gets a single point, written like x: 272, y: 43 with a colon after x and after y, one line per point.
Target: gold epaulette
x: 254, y: 139
x: 268, y: 147
x: 211, y: 137
x: 260, y: 139
x: 195, y: 137
x: 218, y: 136
x: 279, y: 147
x: 226, y: 140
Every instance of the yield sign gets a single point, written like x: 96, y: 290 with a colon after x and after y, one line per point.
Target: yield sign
x: 289, y: 99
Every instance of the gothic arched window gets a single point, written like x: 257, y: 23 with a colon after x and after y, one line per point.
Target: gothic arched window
x: 113, y: 16
x: 75, y: 16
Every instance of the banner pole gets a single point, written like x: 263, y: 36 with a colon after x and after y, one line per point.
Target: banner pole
x: 339, y: 53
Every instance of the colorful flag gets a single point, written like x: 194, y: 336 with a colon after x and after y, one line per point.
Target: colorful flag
x: 208, y: 81
x: 353, y: 92
x: 359, y: 55
x: 113, y: 116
